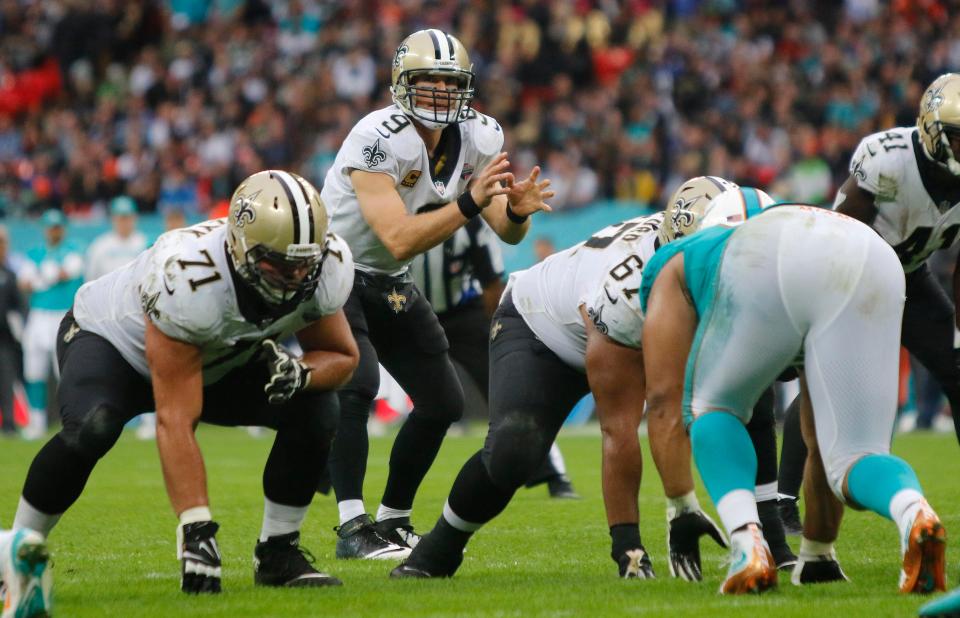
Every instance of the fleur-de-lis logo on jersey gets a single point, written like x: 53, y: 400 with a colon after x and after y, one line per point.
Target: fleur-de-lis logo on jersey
x: 398, y: 58
x: 935, y: 99
x: 396, y: 300
x: 495, y: 330
x: 858, y: 169
x: 245, y: 213
x: 682, y: 217
x: 373, y: 155
x: 71, y: 333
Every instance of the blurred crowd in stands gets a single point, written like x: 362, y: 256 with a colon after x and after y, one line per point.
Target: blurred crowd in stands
x: 173, y: 102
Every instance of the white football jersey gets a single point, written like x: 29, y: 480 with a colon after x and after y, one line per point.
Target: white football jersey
x: 386, y: 141
x: 890, y: 165
x: 601, y: 273
x: 184, y: 283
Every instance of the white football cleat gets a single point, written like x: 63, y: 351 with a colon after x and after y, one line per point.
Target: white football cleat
x: 25, y: 571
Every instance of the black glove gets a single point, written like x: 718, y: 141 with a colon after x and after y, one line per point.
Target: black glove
x: 683, y: 541
x: 288, y: 374
x: 199, y: 557
x: 635, y: 563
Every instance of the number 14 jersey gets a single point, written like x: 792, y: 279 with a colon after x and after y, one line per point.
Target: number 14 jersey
x: 184, y: 283
x: 602, y: 274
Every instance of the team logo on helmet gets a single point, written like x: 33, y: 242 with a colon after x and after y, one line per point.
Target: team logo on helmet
x: 935, y: 98
x: 245, y: 213
x: 398, y: 58
x: 682, y: 217
x: 373, y: 155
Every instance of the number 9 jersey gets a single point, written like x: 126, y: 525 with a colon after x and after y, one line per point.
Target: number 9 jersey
x: 912, y: 215
x: 185, y: 283
x: 603, y: 275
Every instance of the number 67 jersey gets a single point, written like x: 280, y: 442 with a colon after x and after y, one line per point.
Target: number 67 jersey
x: 184, y: 282
x: 602, y: 274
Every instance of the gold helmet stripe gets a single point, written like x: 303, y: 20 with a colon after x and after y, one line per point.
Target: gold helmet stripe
x: 302, y: 226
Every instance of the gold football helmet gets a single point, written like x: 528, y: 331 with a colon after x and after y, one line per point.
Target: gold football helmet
x: 939, y: 120
x: 276, y: 234
x: 433, y: 52
x: 682, y: 215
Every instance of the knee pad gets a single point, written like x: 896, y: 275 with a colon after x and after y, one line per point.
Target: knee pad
x: 96, y: 434
x: 515, y: 451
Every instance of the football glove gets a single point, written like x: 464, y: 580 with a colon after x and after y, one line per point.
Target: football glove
x: 683, y: 542
x: 288, y: 374
x: 635, y: 564
x: 199, y: 557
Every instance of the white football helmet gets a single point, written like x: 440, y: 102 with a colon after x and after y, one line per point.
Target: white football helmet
x: 432, y: 52
x: 732, y: 208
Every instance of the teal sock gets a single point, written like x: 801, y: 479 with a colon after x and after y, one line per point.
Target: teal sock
x: 37, y: 395
x: 724, y: 454
x: 875, y: 479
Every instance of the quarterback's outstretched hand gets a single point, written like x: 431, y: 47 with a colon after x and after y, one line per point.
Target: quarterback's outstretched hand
x: 487, y: 184
x: 635, y: 564
x: 199, y: 557
x: 683, y: 541
x: 288, y: 374
x: 527, y: 197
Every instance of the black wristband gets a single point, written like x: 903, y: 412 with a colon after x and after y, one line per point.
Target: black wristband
x: 514, y: 216
x: 624, y: 537
x: 467, y: 205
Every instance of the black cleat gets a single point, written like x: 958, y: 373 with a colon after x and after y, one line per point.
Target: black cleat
x: 358, y: 538
x: 790, y: 515
x: 428, y: 561
x: 561, y: 488
x: 280, y: 561
x: 817, y: 570
x: 398, y: 531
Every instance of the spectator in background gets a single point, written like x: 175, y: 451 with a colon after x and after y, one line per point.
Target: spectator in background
x: 119, y: 246
x: 12, y: 311
x: 173, y: 219
x: 543, y: 248
x: 51, y: 275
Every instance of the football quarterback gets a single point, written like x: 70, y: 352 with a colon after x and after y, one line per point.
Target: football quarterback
x: 905, y: 184
x: 571, y: 325
x: 405, y: 179
x: 192, y: 328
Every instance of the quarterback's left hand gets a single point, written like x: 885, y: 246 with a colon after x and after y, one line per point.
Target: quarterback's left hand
x: 288, y: 374
x: 527, y: 197
x: 683, y: 540
x: 635, y: 564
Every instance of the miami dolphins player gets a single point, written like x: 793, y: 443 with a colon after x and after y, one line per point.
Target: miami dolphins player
x: 905, y: 184
x: 52, y: 274
x: 26, y: 583
x: 570, y: 325
x: 191, y: 329
x: 731, y: 307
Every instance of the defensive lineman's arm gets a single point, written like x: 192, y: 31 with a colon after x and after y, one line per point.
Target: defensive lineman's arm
x: 330, y: 351
x: 176, y: 370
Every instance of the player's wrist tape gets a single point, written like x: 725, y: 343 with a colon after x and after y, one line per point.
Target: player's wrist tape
x: 624, y: 537
x: 195, y: 514
x: 514, y: 216
x: 467, y: 205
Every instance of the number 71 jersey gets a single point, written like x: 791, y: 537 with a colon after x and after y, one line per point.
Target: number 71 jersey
x: 184, y: 283
x: 602, y: 274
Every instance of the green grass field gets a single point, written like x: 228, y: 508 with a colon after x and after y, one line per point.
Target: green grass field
x: 115, y: 555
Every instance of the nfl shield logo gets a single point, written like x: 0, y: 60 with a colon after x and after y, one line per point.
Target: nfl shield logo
x: 439, y: 184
